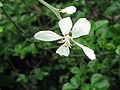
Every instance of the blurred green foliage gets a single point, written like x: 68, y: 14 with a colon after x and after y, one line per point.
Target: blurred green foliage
x: 29, y: 64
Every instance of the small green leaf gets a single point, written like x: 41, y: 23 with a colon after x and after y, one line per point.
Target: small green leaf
x: 102, y: 85
x: 22, y: 78
x: 99, y: 82
x: 110, y: 10
x: 101, y: 23
x: 1, y: 4
x: 75, y: 81
x: 118, y: 50
x: 2, y: 67
x: 92, y: 64
x: 67, y: 86
x: 39, y: 74
x: 96, y: 78
x: 110, y: 46
x: 1, y: 29
x: 75, y: 70
x: 85, y: 86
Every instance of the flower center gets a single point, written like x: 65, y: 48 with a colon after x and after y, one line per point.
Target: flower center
x: 66, y: 40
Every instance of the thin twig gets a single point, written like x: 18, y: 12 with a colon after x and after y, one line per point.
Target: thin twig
x: 14, y: 23
x: 11, y: 64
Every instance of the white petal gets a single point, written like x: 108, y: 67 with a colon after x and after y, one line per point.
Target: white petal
x: 89, y: 52
x: 63, y: 50
x: 81, y: 27
x: 65, y: 25
x: 47, y: 36
x: 69, y: 10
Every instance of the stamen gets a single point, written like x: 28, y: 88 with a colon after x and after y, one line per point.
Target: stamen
x: 61, y: 41
x: 66, y: 41
x: 70, y: 34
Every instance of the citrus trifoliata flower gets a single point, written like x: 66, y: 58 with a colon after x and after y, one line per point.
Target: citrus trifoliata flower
x: 68, y: 10
x: 80, y: 28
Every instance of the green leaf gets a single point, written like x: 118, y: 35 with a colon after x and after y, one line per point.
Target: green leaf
x: 102, y: 85
x: 22, y: 78
x: 118, y: 50
x: 85, y: 86
x: 110, y: 46
x: 95, y: 65
x: 96, y: 78
x: 110, y: 10
x: 92, y: 64
x: 22, y: 50
x: 99, y: 82
x: 75, y: 70
x: 1, y: 29
x: 101, y: 23
x: 1, y: 4
x: 75, y: 81
x: 39, y: 74
x: 2, y: 67
x: 67, y: 86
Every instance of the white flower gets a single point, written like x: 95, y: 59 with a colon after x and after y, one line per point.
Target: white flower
x: 69, y: 10
x: 80, y: 28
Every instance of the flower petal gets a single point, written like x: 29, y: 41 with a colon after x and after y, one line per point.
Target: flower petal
x: 81, y: 27
x: 63, y: 50
x: 89, y: 52
x: 65, y: 25
x: 47, y: 36
x: 69, y: 10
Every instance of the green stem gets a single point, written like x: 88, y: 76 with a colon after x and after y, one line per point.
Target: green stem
x: 53, y: 9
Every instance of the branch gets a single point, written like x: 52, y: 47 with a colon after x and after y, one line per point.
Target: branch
x: 14, y: 23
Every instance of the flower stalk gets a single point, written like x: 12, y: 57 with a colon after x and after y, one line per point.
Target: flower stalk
x: 53, y: 9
